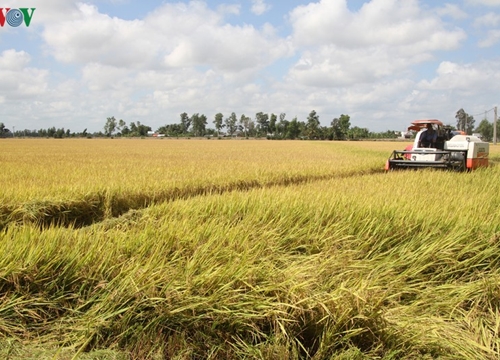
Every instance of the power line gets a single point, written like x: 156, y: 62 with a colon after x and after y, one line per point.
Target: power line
x: 484, y: 112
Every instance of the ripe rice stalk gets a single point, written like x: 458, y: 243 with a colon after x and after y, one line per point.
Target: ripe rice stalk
x: 373, y: 265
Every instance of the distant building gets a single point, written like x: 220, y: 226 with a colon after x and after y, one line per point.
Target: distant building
x: 155, y: 134
x: 406, y: 134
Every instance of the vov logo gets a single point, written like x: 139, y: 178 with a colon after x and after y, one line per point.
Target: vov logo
x: 15, y: 17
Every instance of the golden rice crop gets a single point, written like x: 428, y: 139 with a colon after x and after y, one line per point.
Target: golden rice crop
x: 80, y: 181
x: 69, y: 169
x: 347, y: 263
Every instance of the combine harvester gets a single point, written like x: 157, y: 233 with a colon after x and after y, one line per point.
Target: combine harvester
x: 451, y: 150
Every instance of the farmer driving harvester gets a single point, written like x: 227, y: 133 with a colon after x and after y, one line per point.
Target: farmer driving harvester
x: 428, y: 138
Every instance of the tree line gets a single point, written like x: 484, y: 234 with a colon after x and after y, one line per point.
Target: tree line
x: 134, y: 129
x: 271, y: 126
x: 263, y: 125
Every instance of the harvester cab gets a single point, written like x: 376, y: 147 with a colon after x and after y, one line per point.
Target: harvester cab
x: 437, y: 146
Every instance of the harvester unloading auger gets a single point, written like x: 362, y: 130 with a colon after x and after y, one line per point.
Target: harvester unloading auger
x: 447, y: 150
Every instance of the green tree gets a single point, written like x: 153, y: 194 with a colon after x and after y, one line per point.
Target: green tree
x: 125, y: 130
x: 218, y: 122
x: 59, y: 133
x: 294, y: 129
x: 358, y: 133
x: 138, y: 129
x: 51, y: 132
x: 312, y: 126
x: 230, y: 123
x: 110, y: 126
x: 199, y: 123
x: 345, y: 124
x: 133, y: 129
x: 282, y: 126
x: 121, y: 125
x: 185, y: 122
x: 389, y: 134
x: 465, y: 122
x: 272, y: 124
x: 461, y: 117
x: 340, y: 127
x: 3, y: 130
x: 174, y: 130
x: 142, y: 129
x: 262, y: 121
x: 336, y: 132
x: 245, y: 122
x: 485, y: 128
x: 252, y: 129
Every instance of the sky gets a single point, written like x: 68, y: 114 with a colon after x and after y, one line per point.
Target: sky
x: 382, y: 62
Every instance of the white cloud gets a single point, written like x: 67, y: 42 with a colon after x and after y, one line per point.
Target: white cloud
x: 452, y: 10
x: 231, y: 9
x: 19, y: 81
x: 61, y: 105
x: 492, y: 38
x: 99, y: 77
x: 216, y: 44
x: 388, y: 22
x: 384, y: 38
x: 175, y: 35
x: 259, y: 7
x: 12, y: 60
x: 490, y: 19
x: 484, y: 2
x: 96, y: 37
x: 336, y: 67
x: 466, y: 83
x: 226, y: 48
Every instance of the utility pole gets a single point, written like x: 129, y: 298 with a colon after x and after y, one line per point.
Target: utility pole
x: 495, y: 127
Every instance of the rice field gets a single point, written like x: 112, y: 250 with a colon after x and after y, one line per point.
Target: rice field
x: 243, y: 249
x: 81, y: 180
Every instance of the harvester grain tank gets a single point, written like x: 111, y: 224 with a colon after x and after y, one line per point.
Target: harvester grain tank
x: 448, y: 150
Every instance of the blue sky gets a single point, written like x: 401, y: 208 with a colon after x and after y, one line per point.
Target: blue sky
x: 383, y: 62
